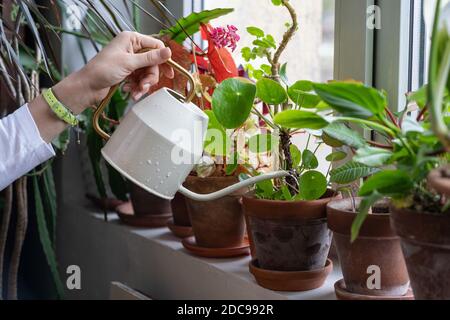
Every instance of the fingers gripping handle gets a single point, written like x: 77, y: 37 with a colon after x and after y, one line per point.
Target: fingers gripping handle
x: 101, y: 108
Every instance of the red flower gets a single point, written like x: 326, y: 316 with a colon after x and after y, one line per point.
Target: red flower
x: 225, y: 37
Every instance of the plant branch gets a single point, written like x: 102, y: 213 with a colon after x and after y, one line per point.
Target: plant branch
x: 286, y: 39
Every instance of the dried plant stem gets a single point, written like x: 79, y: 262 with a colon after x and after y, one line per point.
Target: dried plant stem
x: 4, y: 227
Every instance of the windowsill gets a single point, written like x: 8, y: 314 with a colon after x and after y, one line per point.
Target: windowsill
x: 154, y: 262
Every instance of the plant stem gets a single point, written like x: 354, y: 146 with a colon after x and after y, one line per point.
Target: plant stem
x: 286, y: 39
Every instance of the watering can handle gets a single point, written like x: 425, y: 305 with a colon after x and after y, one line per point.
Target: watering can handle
x: 231, y: 189
x: 99, y: 111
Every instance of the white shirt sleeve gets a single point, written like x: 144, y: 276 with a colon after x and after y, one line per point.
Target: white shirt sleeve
x: 21, y: 146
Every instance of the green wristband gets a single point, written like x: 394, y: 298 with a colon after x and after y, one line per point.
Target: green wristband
x: 60, y: 110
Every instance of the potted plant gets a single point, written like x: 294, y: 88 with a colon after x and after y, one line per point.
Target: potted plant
x: 287, y: 217
x: 409, y: 152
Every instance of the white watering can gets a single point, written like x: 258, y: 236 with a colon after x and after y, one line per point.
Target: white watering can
x: 159, y: 142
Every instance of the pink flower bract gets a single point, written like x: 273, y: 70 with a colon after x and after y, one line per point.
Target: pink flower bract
x: 225, y: 37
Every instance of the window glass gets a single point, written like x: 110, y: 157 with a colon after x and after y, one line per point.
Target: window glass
x: 309, y: 55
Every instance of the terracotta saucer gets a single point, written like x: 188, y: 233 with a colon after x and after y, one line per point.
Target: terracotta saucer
x: 190, y: 245
x: 343, y: 294
x: 126, y: 214
x: 290, y: 280
x: 180, y: 231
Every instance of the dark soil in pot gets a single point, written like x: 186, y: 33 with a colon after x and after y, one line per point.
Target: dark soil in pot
x: 289, y: 235
x: 180, y: 211
x: 377, y: 245
x: 219, y: 223
x: 426, y: 247
x: 145, y: 203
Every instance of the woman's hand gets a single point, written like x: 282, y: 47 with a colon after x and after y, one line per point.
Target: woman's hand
x: 117, y: 62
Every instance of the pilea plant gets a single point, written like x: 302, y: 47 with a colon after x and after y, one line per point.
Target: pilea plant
x: 284, y: 110
x: 409, y: 146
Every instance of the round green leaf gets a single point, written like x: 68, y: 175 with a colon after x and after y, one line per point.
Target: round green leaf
x: 233, y: 101
x: 270, y: 91
x: 336, y: 156
x: 313, y: 185
x: 309, y: 160
x: 300, y: 93
x: 298, y: 119
x: 296, y: 155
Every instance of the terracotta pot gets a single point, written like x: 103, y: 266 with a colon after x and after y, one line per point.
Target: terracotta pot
x: 377, y: 245
x: 289, y: 235
x: 439, y: 179
x: 220, y: 223
x: 179, y: 211
x: 426, y: 247
x: 145, y: 203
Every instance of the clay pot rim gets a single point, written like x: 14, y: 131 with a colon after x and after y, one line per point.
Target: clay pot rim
x: 342, y: 293
x: 376, y: 225
x: 423, y: 228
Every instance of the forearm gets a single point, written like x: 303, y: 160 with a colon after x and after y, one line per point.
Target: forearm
x: 74, y: 93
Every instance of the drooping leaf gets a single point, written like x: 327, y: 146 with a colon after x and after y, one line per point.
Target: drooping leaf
x: 350, y: 172
x: 373, y: 157
x: 347, y: 136
x: 312, y: 185
x: 191, y: 24
x: 390, y: 183
x: 270, y: 92
x: 299, y: 119
x: 233, y: 102
x: 364, y: 207
x: 46, y: 239
x: 352, y: 99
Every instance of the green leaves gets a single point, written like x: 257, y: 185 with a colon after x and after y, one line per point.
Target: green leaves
x: 257, y: 32
x: 296, y: 156
x: 364, y: 208
x: 233, y: 102
x: 309, y: 160
x: 336, y: 156
x: 191, y: 24
x: 299, y: 119
x: 390, y: 183
x: 217, y: 142
x: 270, y: 92
x: 351, y: 172
x: 352, y: 99
x: 313, y: 185
x: 373, y: 157
x: 300, y: 93
x: 276, y: 2
x: 340, y: 132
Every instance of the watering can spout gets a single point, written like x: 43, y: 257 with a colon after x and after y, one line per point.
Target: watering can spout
x: 227, y: 191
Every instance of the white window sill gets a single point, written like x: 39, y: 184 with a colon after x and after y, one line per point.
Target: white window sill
x: 155, y: 263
